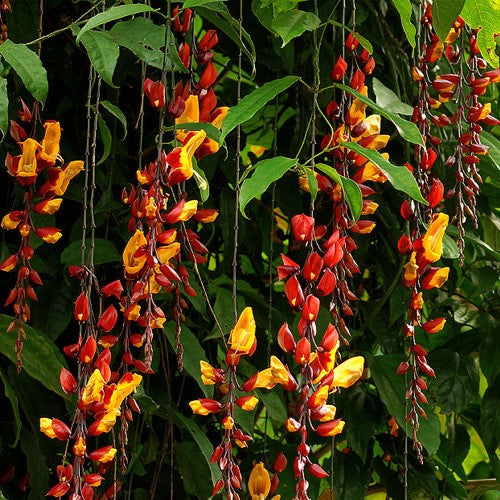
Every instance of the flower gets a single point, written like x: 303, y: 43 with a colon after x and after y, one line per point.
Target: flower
x: 50, y: 143
x: 434, y: 325
x: 59, y: 178
x: 103, y: 455
x: 209, y: 374
x: 259, y: 482
x: 432, y: 241
x: 348, y: 372
x: 242, y: 337
x: 26, y: 168
x: 247, y: 403
x: 94, y: 389
x: 155, y: 91
x: 49, y: 234
x: 331, y: 428
x: 205, y: 406
x: 54, y: 428
x: 133, y: 264
x: 180, y: 158
x: 435, y: 278
x: 263, y: 379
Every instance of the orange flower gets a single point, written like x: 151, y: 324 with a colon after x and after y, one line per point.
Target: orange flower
x: 331, y: 428
x: 259, y: 482
x: 435, y: 278
x: 132, y: 263
x: 411, y: 270
x: 12, y: 219
x: 50, y: 142
x: 242, y: 337
x: 94, y: 389
x: 79, y: 447
x: 103, y: 455
x: 127, y: 384
x: 209, y: 374
x: 26, y: 167
x: 247, y: 403
x: 261, y: 380
x: 205, y: 406
x: 432, y: 242
x: 434, y: 325
x: 168, y: 252
x: 49, y: 234
x: 61, y: 177
x: 348, y: 372
x: 181, y: 159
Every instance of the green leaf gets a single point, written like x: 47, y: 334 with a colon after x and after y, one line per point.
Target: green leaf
x: 366, y: 44
x: 408, y: 130
x: 103, y: 53
x: 14, y: 402
x: 28, y: 66
x: 399, y: 176
x: 200, y: 438
x: 454, y: 449
x: 444, y: 14
x: 484, y: 14
x: 351, y: 190
x: 112, y: 14
x: 104, y: 252
x: 360, y: 411
x: 391, y: 388
x: 405, y: 10
x: 274, y: 404
x: 212, y: 132
x: 193, y: 353
x: 36, y: 464
x: 41, y: 357
x: 202, y: 182
x: 450, y: 248
x: 195, y: 474
x: 4, y: 107
x: 456, y: 382
x: 253, y: 102
x: 198, y: 3
x: 117, y: 113
x: 386, y: 98
x: 494, y: 144
x: 106, y: 139
x: 490, y: 417
x: 265, y: 173
x: 143, y: 38
x: 218, y: 15
x: 494, y: 254
x: 313, y: 183
x: 292, y: 24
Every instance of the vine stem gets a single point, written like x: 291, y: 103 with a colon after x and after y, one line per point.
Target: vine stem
x: 237, y: 178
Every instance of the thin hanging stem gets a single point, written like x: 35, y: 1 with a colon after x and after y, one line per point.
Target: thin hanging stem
x: 40, y: 29
x: 92, y: 174
x: 237, y: 179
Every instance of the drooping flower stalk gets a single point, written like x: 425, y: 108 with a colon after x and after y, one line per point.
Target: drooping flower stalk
x: 242, y: 342
x: 43, y: 176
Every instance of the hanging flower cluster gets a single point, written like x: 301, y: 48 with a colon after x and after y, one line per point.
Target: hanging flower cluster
x: 98, y: 398
x: 242, y: 342
x: 160, y: 204
x: 44, y: 177
x: 350, y: 124
x: 463, y: 88
x: 314, y: 375
x: 420, y: 275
